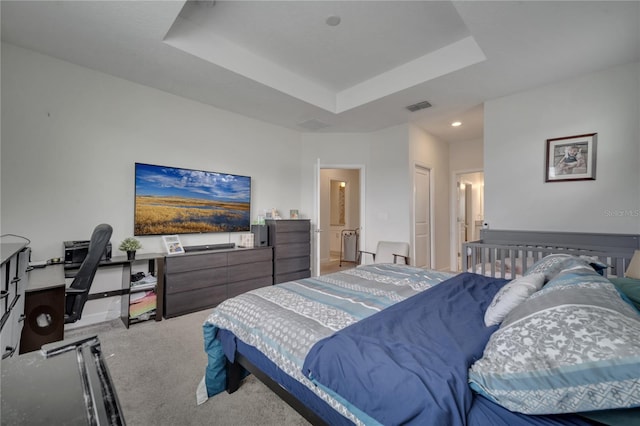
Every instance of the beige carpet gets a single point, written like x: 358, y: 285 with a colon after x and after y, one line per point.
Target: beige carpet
x: 156, y: 368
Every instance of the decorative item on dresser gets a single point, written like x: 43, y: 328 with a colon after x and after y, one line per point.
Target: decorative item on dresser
x: 291, y: 242
x: 130, y: 245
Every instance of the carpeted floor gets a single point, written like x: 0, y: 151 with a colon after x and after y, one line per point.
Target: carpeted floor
x: 156, y: 368
x: 334, y: 266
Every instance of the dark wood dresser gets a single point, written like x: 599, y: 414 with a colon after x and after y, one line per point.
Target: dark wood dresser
x: 200, y: 280
x: 291, y: 242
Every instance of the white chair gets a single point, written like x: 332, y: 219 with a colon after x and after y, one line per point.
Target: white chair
x: 389, y: 252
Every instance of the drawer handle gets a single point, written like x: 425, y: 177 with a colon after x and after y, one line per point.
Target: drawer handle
x: 16, y: 280
x: 4, y: 294
x: 22, y: 317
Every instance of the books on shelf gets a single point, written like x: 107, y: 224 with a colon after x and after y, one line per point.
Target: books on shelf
x: 147, y: 283
x: 141, y: 303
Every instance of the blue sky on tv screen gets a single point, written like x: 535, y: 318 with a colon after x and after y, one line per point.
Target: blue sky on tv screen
x: 162, y: 181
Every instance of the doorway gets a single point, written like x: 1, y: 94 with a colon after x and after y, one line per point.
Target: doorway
x: 340, y: 218
x: 468, y: 211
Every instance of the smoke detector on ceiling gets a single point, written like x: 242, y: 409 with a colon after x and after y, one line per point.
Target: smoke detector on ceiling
x: 419, y: 106
x: 333, y: 20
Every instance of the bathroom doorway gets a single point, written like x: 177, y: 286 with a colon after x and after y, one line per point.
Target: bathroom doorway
x: 340, y: 212
x: 468, y: 211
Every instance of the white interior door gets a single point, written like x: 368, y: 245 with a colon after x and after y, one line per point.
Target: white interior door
x: 422, y: 217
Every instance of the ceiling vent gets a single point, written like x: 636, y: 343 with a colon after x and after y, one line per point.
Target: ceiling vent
x: 418, y: 106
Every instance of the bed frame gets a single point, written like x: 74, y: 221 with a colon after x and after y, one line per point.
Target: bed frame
x: 236, y: 372
x: 614, y: 250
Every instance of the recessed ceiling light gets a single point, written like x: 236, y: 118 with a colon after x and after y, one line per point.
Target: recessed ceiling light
x: 456, y: 124
x: 333, y: 20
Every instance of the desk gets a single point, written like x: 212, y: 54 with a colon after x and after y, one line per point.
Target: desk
x: 45, y: 300
x: 124, y: 288
x: 13, y: 282
x: 43, y: 308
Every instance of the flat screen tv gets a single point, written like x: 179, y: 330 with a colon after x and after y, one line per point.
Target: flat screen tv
x: 172, y: 200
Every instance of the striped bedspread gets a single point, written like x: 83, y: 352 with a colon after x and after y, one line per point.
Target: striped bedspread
x: 284, y: 321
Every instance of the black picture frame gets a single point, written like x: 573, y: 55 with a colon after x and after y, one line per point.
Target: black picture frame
x: 571, y: 158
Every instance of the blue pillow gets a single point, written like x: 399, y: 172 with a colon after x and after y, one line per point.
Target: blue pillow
x: 630, y: 287
x: 571, y: 347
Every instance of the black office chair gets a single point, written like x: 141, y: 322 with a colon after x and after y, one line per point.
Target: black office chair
x: 78, y: 293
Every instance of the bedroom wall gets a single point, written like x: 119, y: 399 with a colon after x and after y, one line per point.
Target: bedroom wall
x: 382, y: 155
x: 388, y: 157
x: 516, y: 130
x: 466, y: 156
x: 71, y: 136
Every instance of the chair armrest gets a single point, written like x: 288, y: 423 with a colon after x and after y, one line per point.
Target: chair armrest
x: 395, y: 258
x: 366, y: 252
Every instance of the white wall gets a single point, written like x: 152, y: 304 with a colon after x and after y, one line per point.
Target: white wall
x: 382, y: 157
x: 466, y: 156
x: 389, y: 187
x: 516, y: 130
x: 71, y: 136
x: 388, y: 157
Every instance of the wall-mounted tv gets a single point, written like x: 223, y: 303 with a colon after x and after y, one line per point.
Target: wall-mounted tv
x: 172, y: 200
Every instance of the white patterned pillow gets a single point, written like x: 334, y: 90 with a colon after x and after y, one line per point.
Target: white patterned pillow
x: 510, y: 296
x: 571, y: 347
x: 551, y: 265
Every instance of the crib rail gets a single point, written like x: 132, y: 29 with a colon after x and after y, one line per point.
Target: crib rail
x: 509, y: 259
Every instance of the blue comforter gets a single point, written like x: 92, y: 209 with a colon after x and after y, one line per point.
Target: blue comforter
x: 408, y: 364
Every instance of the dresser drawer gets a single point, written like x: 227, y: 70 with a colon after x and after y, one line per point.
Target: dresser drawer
x: 235, y: 289
x: 292, y: 250
x: 285, y: 266
x: 250, y: 256
x: 246, y: 272
x: 283, y: 226
x: 192, y: 280
x: 196, y: 300
x: 289, y: 238
x: 192, y: 262
x: 282, y: 278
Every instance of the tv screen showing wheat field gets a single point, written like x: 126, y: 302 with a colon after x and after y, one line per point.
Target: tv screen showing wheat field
x: 172, y: 200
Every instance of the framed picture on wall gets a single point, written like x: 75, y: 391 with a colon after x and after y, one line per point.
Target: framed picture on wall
x: 571, y: 158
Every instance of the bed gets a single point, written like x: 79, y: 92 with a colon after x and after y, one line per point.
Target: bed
x: 314, y: 342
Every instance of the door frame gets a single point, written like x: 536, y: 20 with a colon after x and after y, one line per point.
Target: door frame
x: 318, y: 202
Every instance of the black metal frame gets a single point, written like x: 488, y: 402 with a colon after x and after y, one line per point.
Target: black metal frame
x: 235, y: 374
